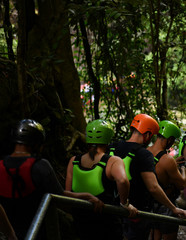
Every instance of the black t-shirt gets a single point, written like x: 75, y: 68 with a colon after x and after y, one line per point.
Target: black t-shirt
x: 45, y: 179
x: 142, y: 162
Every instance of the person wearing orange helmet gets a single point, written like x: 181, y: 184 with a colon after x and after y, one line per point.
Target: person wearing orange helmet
x: 144, y: 187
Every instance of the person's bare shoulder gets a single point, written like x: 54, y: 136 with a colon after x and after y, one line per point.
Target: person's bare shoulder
x: 114, y: 159
x: 167, y: 162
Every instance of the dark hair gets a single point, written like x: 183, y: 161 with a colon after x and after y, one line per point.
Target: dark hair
x: 160, y: 136
x: 92, y: 149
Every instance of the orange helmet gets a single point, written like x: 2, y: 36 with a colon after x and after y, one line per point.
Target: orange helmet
x: 144, y: 123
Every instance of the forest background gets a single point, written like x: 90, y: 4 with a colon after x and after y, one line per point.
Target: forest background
x: 66, y: 62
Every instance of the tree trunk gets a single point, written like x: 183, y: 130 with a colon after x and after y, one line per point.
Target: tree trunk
x: 21, y: 59
x: 93, y: 78
x: 159, y: 55
x: 49, y: 42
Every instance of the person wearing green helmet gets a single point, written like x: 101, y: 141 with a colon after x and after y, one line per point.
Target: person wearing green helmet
x: 101, y: 175
x: 169, y: 177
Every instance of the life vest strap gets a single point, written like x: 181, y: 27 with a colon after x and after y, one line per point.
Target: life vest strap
x: 128, y: 158
x: 102, y: 163
x: 158, y: 156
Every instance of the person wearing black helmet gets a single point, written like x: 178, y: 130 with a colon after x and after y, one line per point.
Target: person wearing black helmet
x: 171, y: 179
x: 25, y: 178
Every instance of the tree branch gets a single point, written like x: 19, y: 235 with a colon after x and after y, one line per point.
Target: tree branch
x: 95, y: 81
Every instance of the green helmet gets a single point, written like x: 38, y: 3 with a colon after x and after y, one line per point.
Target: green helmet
x: 99, y: 132
x: 169, y: 129
x: 181, y: 145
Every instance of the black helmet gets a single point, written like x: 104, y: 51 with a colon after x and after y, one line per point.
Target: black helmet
x: 28, y: 132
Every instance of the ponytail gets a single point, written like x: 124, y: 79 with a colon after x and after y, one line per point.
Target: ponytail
x: 92, y: 151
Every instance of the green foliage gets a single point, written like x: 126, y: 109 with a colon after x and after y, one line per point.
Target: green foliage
x: 119, y: 35
x: 3, y: 46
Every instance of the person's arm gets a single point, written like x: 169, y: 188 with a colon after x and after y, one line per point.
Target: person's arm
x: 5, y: 225
x: 176, y: 177
x: 98, y: 204
x: 183, y: 173
x: 68, y: 182
x: 115, y: 171
x: 45, y: 179
x: 157, y: 192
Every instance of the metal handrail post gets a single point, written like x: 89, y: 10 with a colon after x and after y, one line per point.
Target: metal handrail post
x: 37, y: 220
x: 52, y: 226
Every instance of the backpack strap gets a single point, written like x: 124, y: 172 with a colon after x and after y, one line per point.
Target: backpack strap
x: 102, y: 163
x: 158, y: 156
x: 77, y: 160
x: 128, y: 158
x: 17, y: 181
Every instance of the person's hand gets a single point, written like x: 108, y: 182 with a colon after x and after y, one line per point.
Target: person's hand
x: 132, y: 211
x: 98, y: 204
x: 180, y: 212
x: 180, y: 161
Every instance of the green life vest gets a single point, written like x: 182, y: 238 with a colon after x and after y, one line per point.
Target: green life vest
x: 88, y: 179
x: 127, y: 160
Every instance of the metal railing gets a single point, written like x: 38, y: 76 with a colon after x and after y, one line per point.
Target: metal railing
x: 51, y: 203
